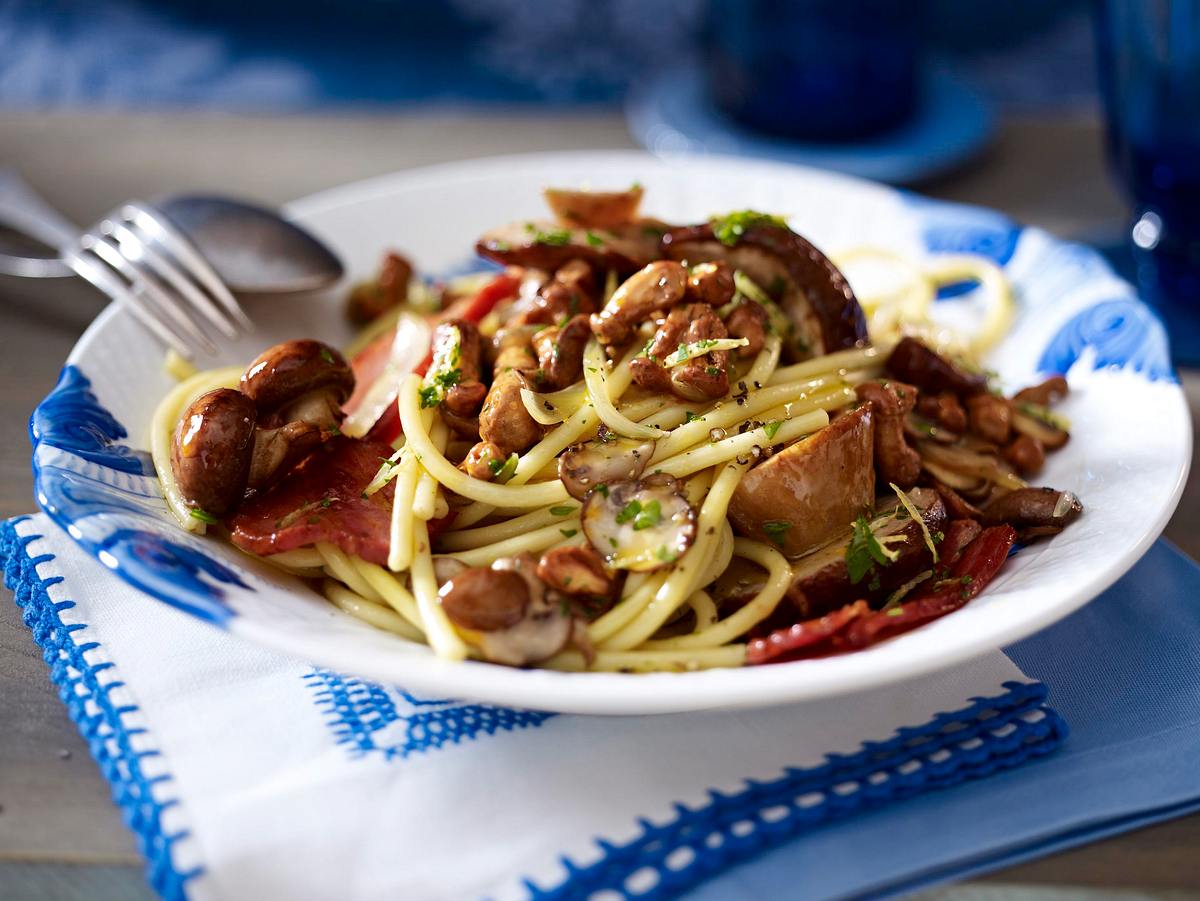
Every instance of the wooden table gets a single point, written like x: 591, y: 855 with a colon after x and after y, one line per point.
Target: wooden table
x: 60, y: 836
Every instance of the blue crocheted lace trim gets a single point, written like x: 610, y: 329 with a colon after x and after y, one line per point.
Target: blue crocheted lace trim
x: 371, y: 719
x: 100, y: 720
x: 989, y: 735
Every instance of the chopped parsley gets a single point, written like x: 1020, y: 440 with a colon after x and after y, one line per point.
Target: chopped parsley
x: 503, y: 470
x: 430, y: 396
x: 593, y: 239
x: 664, y: 554
x: 865, y: 550
x: 448, y: 379
x: 712, y: 371
x: 777, y: 530
x: 561, y: 511
x: 728, y: 229
x: 326, y: 355
x: 602, y: 490
x: 771, y: 429
x: 689, y: 416
x: 203, y: 515
x: 502, y: 246
x: 569, y: 533
x: 629, y: 512
x: 555, y: 237
x: 650, y: 516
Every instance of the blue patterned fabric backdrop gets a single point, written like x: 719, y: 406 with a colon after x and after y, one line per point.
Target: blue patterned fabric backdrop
x: 288, y: 56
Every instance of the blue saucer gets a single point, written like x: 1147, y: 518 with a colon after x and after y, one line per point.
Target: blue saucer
x: 674, y: 114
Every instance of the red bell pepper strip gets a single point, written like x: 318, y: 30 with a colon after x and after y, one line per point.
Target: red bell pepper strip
x: 473, y: 309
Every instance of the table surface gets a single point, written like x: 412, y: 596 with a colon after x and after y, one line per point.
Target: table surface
x: 60, y: 835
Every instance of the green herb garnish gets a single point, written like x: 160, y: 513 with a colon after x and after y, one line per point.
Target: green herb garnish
x: 593, y: 239
x: 776, y: 529
x: 569, y: 533
x: 561, y: 511
x: 771, y: 428
x: 865, y: 550
x: 728, y: 229
x: 629, y: 512
x: 650, y: 516
x: 203, y: 515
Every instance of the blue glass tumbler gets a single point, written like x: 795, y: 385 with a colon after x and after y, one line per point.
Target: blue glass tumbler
x: 815, y: 70
x: 1149, y: 58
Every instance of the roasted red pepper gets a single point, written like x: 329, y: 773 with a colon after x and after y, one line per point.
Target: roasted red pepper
x: 855, y: 626
x: 969, y: 575
x: 804, y: 639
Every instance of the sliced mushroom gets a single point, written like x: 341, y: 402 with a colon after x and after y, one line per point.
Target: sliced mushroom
x: 212, y: 448
x: 805, y: 494
x: 1034, y: 511
x: 457, y: 357
x: 659, y: 286
x: 811, y: 290
x: 504, y: 421
x: 594, y: 209
x: 607, y: 459
x: 639, y: 525
x: 821, y: 580
x: 1027, y: 454
x: 299, y: 377
x: 918, y: 364
x: 485, y: 599
x: 547, y: 245
x: 560, y: 354
x: 990, y: 417
x: 945, y: 409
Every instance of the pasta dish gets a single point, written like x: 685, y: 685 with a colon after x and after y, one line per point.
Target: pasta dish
x: 630, y: 446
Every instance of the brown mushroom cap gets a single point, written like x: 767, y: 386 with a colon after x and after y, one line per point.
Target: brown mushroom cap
x: 818, y: 288
x: 289, y: 370
x: 212, y: 448
x: 485, y: 599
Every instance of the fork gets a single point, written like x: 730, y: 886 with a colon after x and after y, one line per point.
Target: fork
x: 136, y: 257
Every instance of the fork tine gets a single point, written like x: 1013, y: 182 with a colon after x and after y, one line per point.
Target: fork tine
x: 147, y: 219
x: 93, y: 270
x: 161, y: 302
x: 137, y: 250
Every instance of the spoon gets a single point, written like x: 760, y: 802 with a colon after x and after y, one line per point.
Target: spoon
x: 253, y: 249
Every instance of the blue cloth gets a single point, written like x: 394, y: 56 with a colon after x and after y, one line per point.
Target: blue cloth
x: 1125, y: 674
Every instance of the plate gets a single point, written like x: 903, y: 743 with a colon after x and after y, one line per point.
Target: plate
x: 1127, y: 459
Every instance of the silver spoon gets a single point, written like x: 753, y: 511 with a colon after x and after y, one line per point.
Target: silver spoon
x: 253, y: 249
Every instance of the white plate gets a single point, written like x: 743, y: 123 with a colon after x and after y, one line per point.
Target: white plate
x: 1127, y: 459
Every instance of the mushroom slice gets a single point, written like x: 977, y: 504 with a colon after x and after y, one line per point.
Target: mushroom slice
x: 805, y: 494
x: 594, y: 209
x: 639, y: 525
x: 212, y: 449
x: 606, y: 460
x: 548, y: 246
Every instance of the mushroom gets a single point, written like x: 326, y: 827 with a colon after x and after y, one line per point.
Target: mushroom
x: 576, y: 571
x: 639, y: 525
x: 895, y: 461
x: 1037, y: 422
x: 212, y: 449
x: 916, y: 363
x: 548, y: 246
x: 805, y: 494
x: 299, y: 380
x: 1053, y: 389
x: 371, y: 299
x: 1034, y: 511
x: 811, y: 290
x: 508, y: 612
x: 658, y: 286
x: 711, y: 283
x: 277, y: 451
x: 594, y: 209
x: 990, y: 417
x: 607, y: 459
x: 821, y: 580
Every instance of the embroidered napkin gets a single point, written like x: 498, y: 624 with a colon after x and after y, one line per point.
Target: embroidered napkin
x: 245, y: 774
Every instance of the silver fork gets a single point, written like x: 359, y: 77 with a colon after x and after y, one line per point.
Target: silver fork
x: 136, y: 257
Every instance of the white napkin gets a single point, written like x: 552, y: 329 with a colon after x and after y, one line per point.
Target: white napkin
x: 282, y: 780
